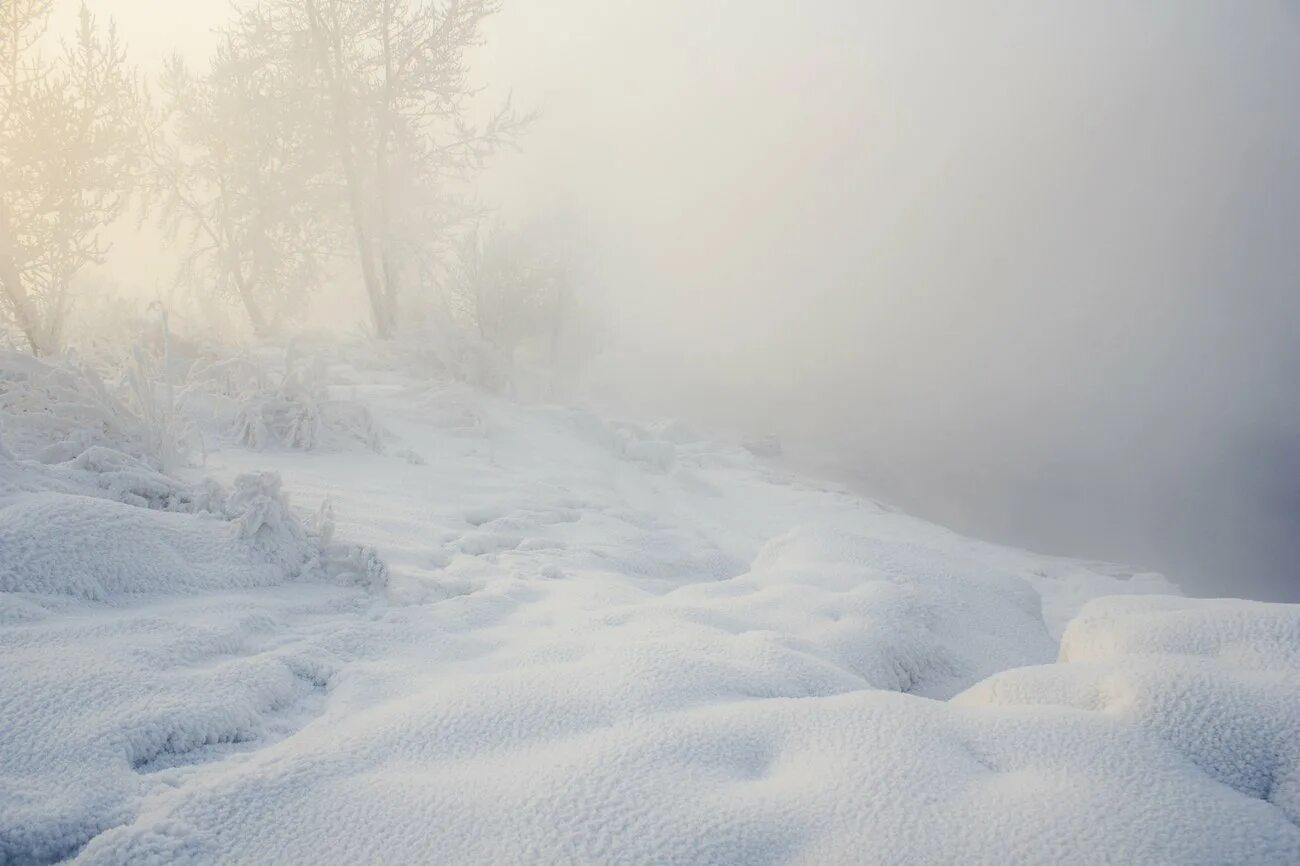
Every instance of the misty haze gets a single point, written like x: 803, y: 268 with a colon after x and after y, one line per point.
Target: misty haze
x: 600, y: 431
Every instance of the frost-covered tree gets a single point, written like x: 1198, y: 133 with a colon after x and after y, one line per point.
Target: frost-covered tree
x: 240, y: 175
x: 390, y: 80
x: 516, y: 288
x: 524, y: 293
x: 69, y: 157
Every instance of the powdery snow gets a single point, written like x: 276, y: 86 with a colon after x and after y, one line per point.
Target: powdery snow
x: 593, y: 641
x: 104, y: 525
x: 1219, y: 679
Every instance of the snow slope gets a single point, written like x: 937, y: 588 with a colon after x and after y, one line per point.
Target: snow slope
x: 604, y: 642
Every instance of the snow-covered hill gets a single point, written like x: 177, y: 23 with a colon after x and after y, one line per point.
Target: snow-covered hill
x: 497, y: 633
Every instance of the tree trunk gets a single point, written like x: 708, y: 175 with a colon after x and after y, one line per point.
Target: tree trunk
x: 383, y: 172
x: 229, y: 251
x: 255, y: 316
x: 328, y: 54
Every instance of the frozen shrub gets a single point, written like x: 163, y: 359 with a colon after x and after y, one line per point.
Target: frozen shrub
x: 442, y: 349
x: 357, y: 564
x: 105, y: 525
x: 61, y: 543
x: 55, y: 410
x: 261, y: 510
x: 169, y: 436
x: 299, y: 413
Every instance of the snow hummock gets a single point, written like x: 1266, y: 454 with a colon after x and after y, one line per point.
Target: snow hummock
x: 105, y: 525
x: 1218, y: 679
x: 537, y: 635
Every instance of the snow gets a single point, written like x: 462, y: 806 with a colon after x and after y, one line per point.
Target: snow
x: 1215, y: 678
x: 532, y: 634
x: 104, y: 525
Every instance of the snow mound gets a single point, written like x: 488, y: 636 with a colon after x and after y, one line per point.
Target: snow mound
x: 66, y: 544
x: 1066, y: 585
x: 97, y: 710
x: 1217, y: 679
x: 568, y: 756
x: 630, y: 441
x: 887, y: 615
x: 106, y: 524
x: 1248, y: 634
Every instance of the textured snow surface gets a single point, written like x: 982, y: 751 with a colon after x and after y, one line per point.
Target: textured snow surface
x: 1219, y: 679
x: 104, y: 525
x: 602, y: 642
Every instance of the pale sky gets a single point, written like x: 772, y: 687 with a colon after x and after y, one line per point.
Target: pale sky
x: 1002, y: 239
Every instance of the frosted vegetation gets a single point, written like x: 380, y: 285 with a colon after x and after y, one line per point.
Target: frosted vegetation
x: 401, y: 596
x: 325, y: 143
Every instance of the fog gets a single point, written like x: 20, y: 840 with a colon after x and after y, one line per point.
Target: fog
x: 1026, y: 269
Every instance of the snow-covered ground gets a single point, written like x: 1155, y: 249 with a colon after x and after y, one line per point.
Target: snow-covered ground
x: 497, y: 633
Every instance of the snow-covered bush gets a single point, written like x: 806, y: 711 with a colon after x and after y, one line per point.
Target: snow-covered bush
x: 299, y: 412
x: 53, y: 411
x: 509, y: 286
x: 170, y: 436
x: 260, y: 510
x: 347, y: 563
x: 513, y: 315
x: 105, y: 524
x: 439, y: 348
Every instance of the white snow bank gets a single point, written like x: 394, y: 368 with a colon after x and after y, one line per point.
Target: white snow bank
x: 1245, y: 634
x: 97, y: 705
x: 65, y: 544
x: 105, y: 524
x: 886, y: 615
x: 601, y: 746
x: 94, y: 698
x: 1217, y: 679
x: 608, y: 642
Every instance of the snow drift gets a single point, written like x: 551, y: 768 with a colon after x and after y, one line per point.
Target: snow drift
x: 64, y: 544
x: 1219, y: 680
x: 104, y: 524
x: 574, y: 757
x: 595, y: 641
